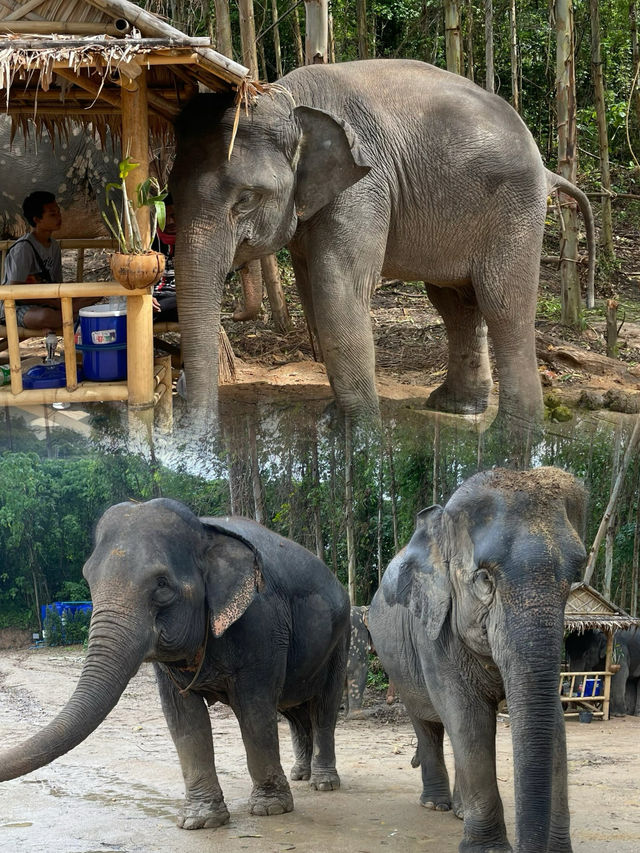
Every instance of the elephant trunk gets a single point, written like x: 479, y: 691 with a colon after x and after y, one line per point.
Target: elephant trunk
x: 531, y: 671
x: 113, y: 658
x: 203, y: 259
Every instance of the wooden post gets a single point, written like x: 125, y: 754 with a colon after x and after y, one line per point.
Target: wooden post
x: 11, y: 322
x: 135, y: 138
x: 607, y: 677
x: 140, y: 351
x: 163, y: 410
x: 69, y: 344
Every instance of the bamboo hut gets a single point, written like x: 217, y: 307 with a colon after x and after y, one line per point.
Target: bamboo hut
x: 588, y: 610
x: 102, y: 64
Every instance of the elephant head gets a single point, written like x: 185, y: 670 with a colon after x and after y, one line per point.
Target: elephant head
x: 242, y: 181
x: 157, y: 574
x: 491, y: 572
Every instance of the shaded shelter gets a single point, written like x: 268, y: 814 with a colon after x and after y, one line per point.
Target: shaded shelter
x: 102, y: 64
x: 587, y: 610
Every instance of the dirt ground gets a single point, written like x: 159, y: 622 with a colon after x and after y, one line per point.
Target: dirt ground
x: 121, y: 788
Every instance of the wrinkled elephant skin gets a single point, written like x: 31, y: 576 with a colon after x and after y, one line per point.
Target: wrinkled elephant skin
x: 389, y: 168
x: 470, y: 612
x: 228, y: 611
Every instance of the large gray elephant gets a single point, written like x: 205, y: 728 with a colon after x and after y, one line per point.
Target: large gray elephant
x: 228, y: 611
x: 457, y: 623
x: 75, y: 167
x: 587, y: 652
x: 366, y: 169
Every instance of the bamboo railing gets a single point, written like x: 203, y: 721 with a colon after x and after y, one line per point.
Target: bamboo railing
x: 572, y: 694
x: 139, y: 387
x: 79, y: 244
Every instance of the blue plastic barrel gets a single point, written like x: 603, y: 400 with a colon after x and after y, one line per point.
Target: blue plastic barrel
x: 103, y: 330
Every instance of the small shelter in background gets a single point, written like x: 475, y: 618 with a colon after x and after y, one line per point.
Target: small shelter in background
x: 588, y: 610
x: 103, y: 64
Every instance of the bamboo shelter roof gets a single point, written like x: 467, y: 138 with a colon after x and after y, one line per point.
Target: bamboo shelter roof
x: 588, y: 610
x: 62, y: 61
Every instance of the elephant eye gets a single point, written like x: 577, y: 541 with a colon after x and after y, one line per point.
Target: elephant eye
x: 483, y: 581
x: 247, y: 200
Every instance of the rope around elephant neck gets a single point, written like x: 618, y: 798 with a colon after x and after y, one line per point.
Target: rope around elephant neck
x: 202, y: 651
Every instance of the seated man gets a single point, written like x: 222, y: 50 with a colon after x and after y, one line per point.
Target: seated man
x: 36, y: 257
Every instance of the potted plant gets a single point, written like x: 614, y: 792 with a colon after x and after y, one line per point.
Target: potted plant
x: 616, y: 658
x: 134, y: 264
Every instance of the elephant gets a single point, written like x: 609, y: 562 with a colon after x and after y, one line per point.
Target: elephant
x: 457, y: 622
x: 370, y: 169
x: 75, y: 168
x: 587, y: 652
x: 228, y: 611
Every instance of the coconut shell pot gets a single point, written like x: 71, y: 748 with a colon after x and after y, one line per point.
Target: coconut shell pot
x: 137, y: 271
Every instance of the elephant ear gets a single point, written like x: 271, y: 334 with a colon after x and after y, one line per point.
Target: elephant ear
x: 423, y: 584
x: 232, y: 577
x: 330, y: 160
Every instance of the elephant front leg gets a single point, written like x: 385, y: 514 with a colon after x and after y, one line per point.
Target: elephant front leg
x: 190, y: 728
x: 271, y: 794
x: 473, y: 736
x: 466, y: 389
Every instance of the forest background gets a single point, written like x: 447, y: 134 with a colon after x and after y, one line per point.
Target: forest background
x: 352, y: 497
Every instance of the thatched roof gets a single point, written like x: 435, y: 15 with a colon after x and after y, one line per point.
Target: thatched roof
x: 588, y: 610
x: 63, y: 61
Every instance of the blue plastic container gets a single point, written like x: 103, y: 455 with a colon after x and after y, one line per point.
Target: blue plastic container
x: 103, y: 330
x: 592, y: 687
x: 47, y: 376
x: 61, y: 606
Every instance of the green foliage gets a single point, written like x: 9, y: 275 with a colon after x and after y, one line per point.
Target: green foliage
x: 376, y: 676
x: 53, y: 628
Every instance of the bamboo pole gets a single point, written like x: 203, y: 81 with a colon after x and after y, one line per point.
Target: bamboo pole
x: 140, y: 351
x: 11, y: 323
x: 607, y: 676
x: 135, y: 141
x: 57, y: 27
x: 86, y: 392
x: 69, y: 344
x: 96, y: 289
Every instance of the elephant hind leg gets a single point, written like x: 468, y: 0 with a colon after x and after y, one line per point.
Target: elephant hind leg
x: 299, y: 721
x: 468, y: 382
x: 436, y: 792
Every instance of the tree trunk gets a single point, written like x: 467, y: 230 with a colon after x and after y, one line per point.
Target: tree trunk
x: 276, y: 38
x: 315, y: 476
x: 348, y: 509
x: 317, y: 33
x: 380, y: 509
x: 635, y: 565
x: 635, y: 50
x: 613, y: 500
x: 610, y: 534
x: 332, y: 41
x: 469, y: 22
x: 394, y: 506
x: 224, y: 43
x: 361, y: 19
x: 489, y: 82
x: 606, y: 232
x: 256, y: 483
x: 248, y: 36
x: 567, y: 158
x: 333, y: 491
x: 297, y: 37
x: 612, y: 328
x: 513, y: 43
x: 453, y: 45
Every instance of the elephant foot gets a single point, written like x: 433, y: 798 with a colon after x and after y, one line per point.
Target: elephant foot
x: 436, y: 804
x: 203, y: 815
x: 324, y: 780
x: 300, y: 772
x: 270, y: 802
x: 488, y: 847
x: 459, y: 401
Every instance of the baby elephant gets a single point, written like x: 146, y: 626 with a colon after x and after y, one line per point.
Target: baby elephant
x: 228, y: 611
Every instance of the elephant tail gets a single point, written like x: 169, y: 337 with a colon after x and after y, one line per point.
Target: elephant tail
x: 557, y: 182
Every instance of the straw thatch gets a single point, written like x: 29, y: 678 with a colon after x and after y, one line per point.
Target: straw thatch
x: 588, y: 610
x: 64, y: 61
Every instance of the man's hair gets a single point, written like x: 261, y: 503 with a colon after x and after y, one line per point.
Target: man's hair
x: 33, y: 205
